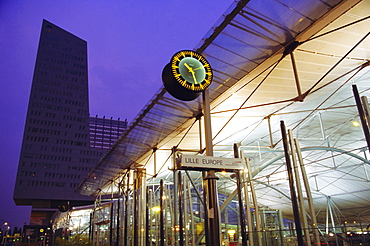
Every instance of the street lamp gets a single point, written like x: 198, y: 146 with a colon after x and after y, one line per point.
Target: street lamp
x: 6, y: 224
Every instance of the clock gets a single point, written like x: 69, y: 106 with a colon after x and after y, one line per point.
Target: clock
x: 187, y: 75
x: 191, y: 70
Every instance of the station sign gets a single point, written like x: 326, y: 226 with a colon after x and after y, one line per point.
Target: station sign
x: 197, y: 162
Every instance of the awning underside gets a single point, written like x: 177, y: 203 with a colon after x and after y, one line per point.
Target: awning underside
x: 294, y: 61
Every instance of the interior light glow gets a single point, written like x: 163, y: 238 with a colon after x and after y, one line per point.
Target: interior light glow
x: 355, y: 123
x: 156, y: 209
x: 231, y: 232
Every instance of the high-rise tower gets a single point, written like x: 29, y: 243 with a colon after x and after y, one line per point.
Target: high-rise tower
x: 56, y: 153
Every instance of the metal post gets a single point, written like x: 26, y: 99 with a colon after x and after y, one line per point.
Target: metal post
x: 175, y: 200
x: 309, y: 195
x: 255, y: 204
x: 281, y: 228
x: 296, y: 76
x: 365, y: 105
x: 214, y: 235
x: 205, y: 208
x: 125, y: 233
x: 155, y: 161
x: 156, y: 202
x: 213, y: 211
x: 161, y: 217
x: 136, y: 212
x: 118, y: 226
x: 189, y: 198
x: 186, y: 212
x: 226, y: 235
x: 299, y: 189
x: 297, y: 220
x: 181, y: 225
x: 270, y: 131
x: 139, y: 201
x: 247, y: 203
x: 91, y: 228
x: 200, y: 133
x: 332, y: 220
x: 327, y: 217
x: 170, y: 205
x: 249, y: 214
x: 111, y: 224
x: 362, y: 115
x: 147, y: 219
x: 241, y: 205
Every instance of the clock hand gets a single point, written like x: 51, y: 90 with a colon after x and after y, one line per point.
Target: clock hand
x: 192, y: 72
x: 188, y: 67
x: 195, y: 79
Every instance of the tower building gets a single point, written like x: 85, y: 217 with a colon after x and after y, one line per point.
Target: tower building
x: 56, y: 151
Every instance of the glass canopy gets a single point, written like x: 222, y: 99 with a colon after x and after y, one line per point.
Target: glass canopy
x: 273, y: 61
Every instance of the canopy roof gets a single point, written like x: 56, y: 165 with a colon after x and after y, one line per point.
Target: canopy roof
x: 293, y: 61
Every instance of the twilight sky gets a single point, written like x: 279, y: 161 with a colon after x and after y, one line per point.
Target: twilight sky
x: 129, y: 43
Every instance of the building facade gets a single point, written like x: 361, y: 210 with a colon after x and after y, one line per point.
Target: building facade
x: 56, y: 153
x: 104, y: 132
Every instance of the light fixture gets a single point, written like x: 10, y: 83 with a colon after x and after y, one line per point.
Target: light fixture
x: 156, y: 209
x: 355, y: 123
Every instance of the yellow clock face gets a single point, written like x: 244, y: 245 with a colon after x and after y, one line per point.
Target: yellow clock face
x: 191, y: 70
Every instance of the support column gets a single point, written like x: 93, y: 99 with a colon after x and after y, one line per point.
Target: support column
x: 91, y: 229
x: 255, y: 204
x: 247, y: 203
x: 311, y: 208
x: 161, y: 214
x: 299, y: 189
x: 329, y: 207
x: 111, y: 223
x: 297, y: 220
x: 296, y: 76
x: 148, y: 220
x: 213, y: 236
x: 240, y: 200
x: 363, y: 119
x: 270, y: 131
x: 136, y: 212
x: 139, y: 206
x: 181, y: 224
x: 118, y: 224
x: 365, y: 105
x: 192, y: 219
x: 126, y: 219
x: 200, y: 132
x: 155, y: 162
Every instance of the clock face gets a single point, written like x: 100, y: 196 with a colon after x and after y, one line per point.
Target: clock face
x: 191, y: 70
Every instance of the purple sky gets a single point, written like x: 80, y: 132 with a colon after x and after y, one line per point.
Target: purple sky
x: 129, y: 43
